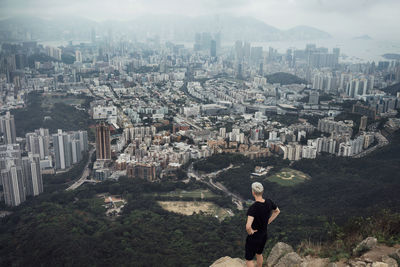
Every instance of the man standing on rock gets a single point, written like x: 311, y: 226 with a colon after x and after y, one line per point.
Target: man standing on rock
x: 261, y: 213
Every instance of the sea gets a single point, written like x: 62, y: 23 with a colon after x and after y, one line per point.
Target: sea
x: 351, y: 50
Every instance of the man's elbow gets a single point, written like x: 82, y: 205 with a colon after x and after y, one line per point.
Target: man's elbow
x: 277, y: 210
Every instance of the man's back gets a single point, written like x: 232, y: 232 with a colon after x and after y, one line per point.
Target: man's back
x: 261, y: 211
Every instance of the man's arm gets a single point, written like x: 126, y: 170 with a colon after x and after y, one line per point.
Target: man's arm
x: 274, y: 214
x: 250, y: 230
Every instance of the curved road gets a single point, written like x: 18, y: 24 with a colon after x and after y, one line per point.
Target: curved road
x: 236, y: 199
x: 84, y: 174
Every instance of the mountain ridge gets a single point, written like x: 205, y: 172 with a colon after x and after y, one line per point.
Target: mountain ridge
x: 167, y: 27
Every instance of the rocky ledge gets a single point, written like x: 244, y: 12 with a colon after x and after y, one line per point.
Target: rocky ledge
x: 368, y: 253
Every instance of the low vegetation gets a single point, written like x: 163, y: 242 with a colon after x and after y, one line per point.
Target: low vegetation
x: 41, y: 113
x: 284, y: 78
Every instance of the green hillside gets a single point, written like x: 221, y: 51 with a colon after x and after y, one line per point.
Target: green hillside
x: 284, y: 78
x: 71, y: 228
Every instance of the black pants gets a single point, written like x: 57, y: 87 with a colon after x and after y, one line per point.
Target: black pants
x: 255, y: 244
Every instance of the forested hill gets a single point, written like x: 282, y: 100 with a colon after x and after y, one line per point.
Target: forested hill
x: 284, y: 78
x: 70, y: 228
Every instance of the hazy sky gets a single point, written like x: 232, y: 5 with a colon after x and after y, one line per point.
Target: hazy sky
x: 378, y: 18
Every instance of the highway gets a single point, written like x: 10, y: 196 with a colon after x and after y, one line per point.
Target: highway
x: 208, y: 180
x: 84, y: 175
x: 382, y: 141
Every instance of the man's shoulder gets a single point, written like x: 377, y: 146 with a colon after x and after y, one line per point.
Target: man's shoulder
x: 268, y: 201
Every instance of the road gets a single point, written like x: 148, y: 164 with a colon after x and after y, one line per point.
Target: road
x: 382, y: 141
x: 84, y: 175
x: 208, y: 180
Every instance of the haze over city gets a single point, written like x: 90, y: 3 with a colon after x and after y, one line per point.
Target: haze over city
x: 341, y: 18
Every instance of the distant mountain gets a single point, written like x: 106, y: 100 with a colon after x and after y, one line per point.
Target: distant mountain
x: 363, y: 37
x: 167, y: 27
x: 54, y: 29
x: 184, y: 28
x: 306, y: 33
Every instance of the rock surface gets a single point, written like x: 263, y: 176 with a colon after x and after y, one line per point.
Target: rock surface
x: 229, y: 262
x: 389, y: 261
x: 357, y: 263
x: 379, y: 264
x: 365, y: 245
x: 397, y: 253
x: 314, y: 262
x: 291, y: 259
x: 277, y: 252
x: 282, y: 255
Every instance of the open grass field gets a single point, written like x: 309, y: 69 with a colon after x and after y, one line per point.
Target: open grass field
x: 288, y: 177
x: 200, y: 193
x: 190, y: 207
x: 49, y: 100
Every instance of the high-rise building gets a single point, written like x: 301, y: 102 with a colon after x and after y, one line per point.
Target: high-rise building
x: 103, y: 144
x: 76, y: 151
x: 213, y: 48
x: 239, y: 53
x: 93, y: 36
x: 7, y: 127
x: 142, y: 171
x: 336, y: 53
x: 38, y: 144
x: 363, y: 123
x: 78, y: 56
x: 329, y: 125
x: 20, y: 177
x: 256, y: 55
x: 246, y: 50
x: 13, y: 184
x: 83, y: 139
x: 68, y: 148
x: 32, y: 175
x: 62, y: 150
x: 313, y: 98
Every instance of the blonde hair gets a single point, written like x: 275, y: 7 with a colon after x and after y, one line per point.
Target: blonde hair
x: 257, y: 188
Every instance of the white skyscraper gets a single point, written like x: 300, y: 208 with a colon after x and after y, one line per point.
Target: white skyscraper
x: 62, y: 150
x: 13, y: 184
x: 7, y: 127
x: 32, y: 175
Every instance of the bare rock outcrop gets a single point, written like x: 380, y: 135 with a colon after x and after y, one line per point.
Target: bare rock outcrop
x: 278, y: 251
x: 368, y: 254
x: 291, y: 259
x: 314, y: 262
x: 228, y: 262
x: 365, y: 245
x: 379, y: 264
x: 389, y: 261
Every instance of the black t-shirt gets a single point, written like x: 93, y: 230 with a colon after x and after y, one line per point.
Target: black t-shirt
x: 261, y: 211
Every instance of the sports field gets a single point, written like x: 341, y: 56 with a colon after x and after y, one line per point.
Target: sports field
x: 190, y: 207
x: 200, y: 193
x: 50, y: 100
x: 288, y: 177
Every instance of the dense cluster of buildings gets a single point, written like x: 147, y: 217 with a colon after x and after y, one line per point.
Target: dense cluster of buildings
x: 23, y: 160
x: 158, y: 106
x: 68, y: 148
